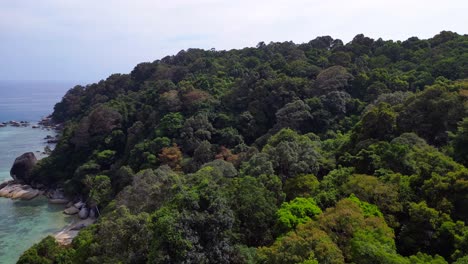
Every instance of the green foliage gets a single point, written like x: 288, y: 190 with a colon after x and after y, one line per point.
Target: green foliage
x: 254, y: 207
x: 298, y: 211
x: 307, y: 244
x: 170, y: 125
x: 149, y: 190
x: 230, y: 156
x: 119, y: 237
x: 301, y: 186
x: 368, y: 209
x: 371, y: 247
x: 44, y: 253
x: 292, y: 154
x: 105, y: 158
x: 460, y: 141
x: 100, y: 189
x: 195, y: 225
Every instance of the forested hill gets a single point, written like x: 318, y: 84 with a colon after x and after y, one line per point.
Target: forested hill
x: 321, y: 152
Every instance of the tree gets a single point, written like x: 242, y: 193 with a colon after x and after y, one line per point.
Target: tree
x: 170, y: 124
x: 379, y: 123
x: 335, y: 78
x: 100, y: 189
x: 195, y: 225
x: 307, y: 243
x: 460, y: 141
x: 438, y: 111
x: 150, y: 189
x: 120, y: 237
x: 254, y: 207
x: 347, y: 217
x: 203, y: 153
x: 292, y: 154
x: 196, y: 129
x: 257, y: 165
x: 295, y: 115
x: 298, y: 211
x: 301, y: 186
x: 372, y: 190
x: 171, y: 156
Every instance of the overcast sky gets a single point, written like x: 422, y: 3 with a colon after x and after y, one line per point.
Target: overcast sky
x: 86, y: 40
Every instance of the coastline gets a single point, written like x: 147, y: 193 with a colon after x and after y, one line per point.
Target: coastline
x: 65, y: 236
x: 25, y: 222
x: 27, y: 214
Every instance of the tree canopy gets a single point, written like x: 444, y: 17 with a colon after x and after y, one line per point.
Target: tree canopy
x: 320, y: 152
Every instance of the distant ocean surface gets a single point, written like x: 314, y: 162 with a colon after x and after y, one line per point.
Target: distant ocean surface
x: 30, y: 100
x: 24, y: 223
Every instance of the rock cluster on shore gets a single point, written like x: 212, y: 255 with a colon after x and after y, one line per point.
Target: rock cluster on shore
x: 48, y: 123
x: 16, y: 190
x: 45, y: 123
x: 20, y: 188
x: 15, y: 123
x: 81, y: 209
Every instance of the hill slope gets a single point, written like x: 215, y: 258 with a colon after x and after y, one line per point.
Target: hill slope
x: 321, y: 152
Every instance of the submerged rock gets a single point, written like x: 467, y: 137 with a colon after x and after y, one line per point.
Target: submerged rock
x: 59, y: 201
x: 22, y: 167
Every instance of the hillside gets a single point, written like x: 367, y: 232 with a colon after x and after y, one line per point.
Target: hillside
x: 321, y: 152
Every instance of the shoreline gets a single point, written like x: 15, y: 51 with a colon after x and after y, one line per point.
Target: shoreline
x: 16, y: 191
x: 65, y: 236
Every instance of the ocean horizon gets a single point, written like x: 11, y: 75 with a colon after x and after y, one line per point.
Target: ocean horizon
x: 30, y: 100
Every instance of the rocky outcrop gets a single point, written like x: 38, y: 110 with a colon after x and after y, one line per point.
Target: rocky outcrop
x: 22, y: 168
x: 15, y: 190
x: 77, y: 208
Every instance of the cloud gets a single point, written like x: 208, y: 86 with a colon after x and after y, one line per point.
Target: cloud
x: 91, y: 39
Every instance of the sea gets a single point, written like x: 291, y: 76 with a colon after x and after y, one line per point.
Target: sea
x: 24, y: 223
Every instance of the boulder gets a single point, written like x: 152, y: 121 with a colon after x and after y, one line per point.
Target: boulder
x: 84, y: 213
x: 22, y: 167
x: 19, y: 191
x: 92, y: 213
x: 71, y: 210
x: 79, y: 205
x: 26, y: 194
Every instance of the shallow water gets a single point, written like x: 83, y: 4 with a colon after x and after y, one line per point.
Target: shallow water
x: 24, y: 223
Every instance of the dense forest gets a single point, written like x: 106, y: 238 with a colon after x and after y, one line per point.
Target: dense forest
x: 321, y: 152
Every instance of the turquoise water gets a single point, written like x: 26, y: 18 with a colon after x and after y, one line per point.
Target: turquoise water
x: 24, y: 223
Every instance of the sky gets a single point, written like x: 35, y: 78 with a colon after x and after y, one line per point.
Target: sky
x: 87, y: 40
